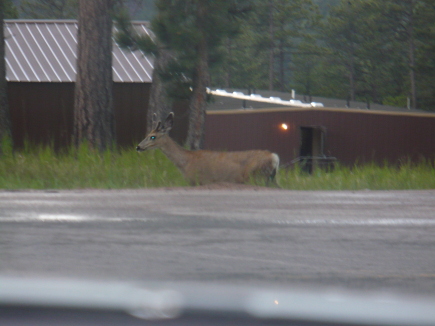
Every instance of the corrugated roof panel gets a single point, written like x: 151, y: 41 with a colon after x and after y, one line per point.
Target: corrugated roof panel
x: 130, y: 66
x: 144, y: 65
x: 15, y: 55
x: 70, y: 35
x: 40, y: 52
x: 45, y: 51
x: 121, y: 64
x: 149, y: 60
x: 53, y: 45
x: 133, y: 64
x: 68, y: 54
x: 15, y: 76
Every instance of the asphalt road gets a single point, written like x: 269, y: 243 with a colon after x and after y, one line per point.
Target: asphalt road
x: 365, y: 240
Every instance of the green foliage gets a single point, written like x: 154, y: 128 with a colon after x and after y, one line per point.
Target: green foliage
x: 10, y: 10
x: 140, y: 9
x: 238, y: 69
x: 360, y: 50
x: 68, y: 9
x: 368, y: 39
x: 372, y: 42
x: 6, y: 146
x: 425, y: 67
x: 42, y: 168
x: 182, y: 25
x: 399, y: 101
x: 366, y: 177
x: 49, y: 9
x: 259, y: 57
x: 325, y: 5
x: 127, y: 37
x: 194, y: 31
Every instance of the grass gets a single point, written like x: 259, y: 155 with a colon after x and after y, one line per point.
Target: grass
x: 360, y: 177
x: 43, y: 168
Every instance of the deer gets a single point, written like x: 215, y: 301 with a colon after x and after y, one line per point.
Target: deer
x: 201, y: 167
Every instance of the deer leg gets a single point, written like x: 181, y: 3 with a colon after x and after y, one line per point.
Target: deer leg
x: 271, y: 180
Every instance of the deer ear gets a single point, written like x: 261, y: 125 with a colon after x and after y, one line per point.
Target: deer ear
x: 158, y: 126
x: 169, y: 122
x: 154, y: 120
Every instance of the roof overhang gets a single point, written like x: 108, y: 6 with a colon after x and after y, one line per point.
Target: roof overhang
x: 45, y: 51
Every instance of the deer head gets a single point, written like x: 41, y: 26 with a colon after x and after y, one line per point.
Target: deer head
x: 155, y: 137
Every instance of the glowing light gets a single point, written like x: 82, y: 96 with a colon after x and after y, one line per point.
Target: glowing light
x: 276, y: 302
x: 284, y: 126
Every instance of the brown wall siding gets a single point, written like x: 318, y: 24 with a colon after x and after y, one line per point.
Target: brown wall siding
x: 380, y: 137
x: 130, y: 101
x: 42, y: 113
x: 181, y: 121
x: 350, y: 136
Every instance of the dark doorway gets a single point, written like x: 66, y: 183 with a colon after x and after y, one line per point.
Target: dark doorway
x: 311, y: 150
x: 312, y: 140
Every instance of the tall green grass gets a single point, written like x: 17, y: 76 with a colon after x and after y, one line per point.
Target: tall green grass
x: 360, y: 177
x: 43, y: 168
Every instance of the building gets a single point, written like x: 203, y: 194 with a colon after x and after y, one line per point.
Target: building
x: 322, y: 134
x: 41, y: 70
x: 41, y: 61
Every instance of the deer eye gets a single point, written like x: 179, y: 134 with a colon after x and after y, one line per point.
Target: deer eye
x: 153, y: 137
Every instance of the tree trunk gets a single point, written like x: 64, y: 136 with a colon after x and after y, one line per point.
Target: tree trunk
x: 201, y: 80
x: 94, y: 120
x: 198, y: 102
x: 412, y: 73
x: 5, y: 122
x: 159, y: 102
x: 227, y: 67
x: 411, y: 54
x: 351, y: 83
x: 281, y: 66
x: 272, y: 47
x: 352, y: 86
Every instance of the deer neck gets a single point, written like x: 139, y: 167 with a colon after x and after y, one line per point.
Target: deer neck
x: 177, y: 154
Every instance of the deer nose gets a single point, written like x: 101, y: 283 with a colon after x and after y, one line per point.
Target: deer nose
x: 138, y: 148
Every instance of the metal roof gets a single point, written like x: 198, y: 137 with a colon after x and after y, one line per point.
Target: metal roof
x: 268, y: 100
x: 235, y: 99
x: 45, y: 51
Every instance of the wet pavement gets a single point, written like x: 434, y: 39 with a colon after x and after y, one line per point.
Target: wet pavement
x: 365, y: 240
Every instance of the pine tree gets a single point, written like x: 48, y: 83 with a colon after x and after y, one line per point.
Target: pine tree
x: 195, y: 31
x: 160, y: 103
x: 402, y: 14
x: 380, y: 44
x: 425, y: 57
x: 49, y: 9
x: 93, y: 104
x: 7, y: 9
x: 262, y: 54
x: 288, y: 23
x: 189, y: 38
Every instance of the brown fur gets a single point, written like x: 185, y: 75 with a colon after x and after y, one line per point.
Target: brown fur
x: 205, y: 167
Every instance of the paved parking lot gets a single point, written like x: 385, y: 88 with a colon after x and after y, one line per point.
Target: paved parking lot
x: 366, y: 240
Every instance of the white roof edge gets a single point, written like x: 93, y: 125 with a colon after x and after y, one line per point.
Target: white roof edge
x: 259, y: 98
x: 45, y: 21
x: 41, y: 21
